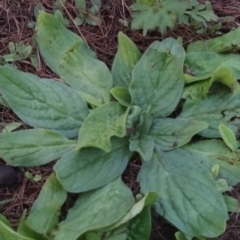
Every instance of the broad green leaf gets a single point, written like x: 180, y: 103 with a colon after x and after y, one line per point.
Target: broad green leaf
x: 171, y: 133
x: 122, y: 236
x: 228, y: 137
x: 54, y: 40
x: 4, y: 102
x: 202, y: 65
x: 70, y: 57
x: 5, y: 221
x: 92, y: 236
x: 221, y: 107
x: 148, y: 200
x: 51, y: 192
x: 224, y: 43
x: 33, y: 147
x: 232, y: 204
x: 76, y: 69
x: 6, y: 233
x: 206, y: 68
x: 45, y: 219
x: 95, y: 210
x: 182, y: 236
x: 197, y: 90
x: 214, y: 152
x: 135, y: 225
x: 101, y: 124
x: 144, y: 145
x: 125, y: 60
x: 140, y: 227
x: 26, y: 231
x: 188, y: 195
x: 43, y: 103
x: 45, y: 210
x: 200, y: 88
x: 75, y: 170
x: 119, y: 233
x: 157, y: 79
x: 122, y: 95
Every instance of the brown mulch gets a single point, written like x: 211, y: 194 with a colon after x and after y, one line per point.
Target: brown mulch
x: 14, y: 18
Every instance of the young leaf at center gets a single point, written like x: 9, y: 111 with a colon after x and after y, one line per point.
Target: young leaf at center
x: 157, y: 79
x: 101, y: 124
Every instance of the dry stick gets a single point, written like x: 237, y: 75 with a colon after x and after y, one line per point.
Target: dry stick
x: 69, y: 15
x: 126, y: 6
x: 96, y: 19
x: 123, y: 9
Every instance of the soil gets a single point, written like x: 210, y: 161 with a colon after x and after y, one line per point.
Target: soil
x: 14, y: 18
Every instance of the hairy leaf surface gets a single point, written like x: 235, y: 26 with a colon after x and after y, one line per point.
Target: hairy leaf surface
x: 171, y: 133
x: 221, y: 107
x: 202, y: 65
x: 33, y: 147
x: 216, y: 152
x: 43, y: 103
x: 125, y: 60
x: 25, y: 230
x: 188, y: 195
x: 95, y: 210
x: 87, y: 75
x: 51, y: 192
x: 147, y: 201
x: 69, y: 56
x: 75, y: 170
x: 206, y: 68
x: 223, y: 43
x: 140, y: 227
x: 6, y: 233
x: 54, y: 40
x: 200, y: 88
x: 44, y: 220
x: 157, y: 81
x: 44, y: 215
x: 101, y: 124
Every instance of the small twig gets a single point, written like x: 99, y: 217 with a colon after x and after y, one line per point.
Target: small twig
x: 69, y: 15
x: 123, y: 6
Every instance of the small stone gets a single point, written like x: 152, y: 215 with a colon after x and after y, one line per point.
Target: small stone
x: 9, y: 176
